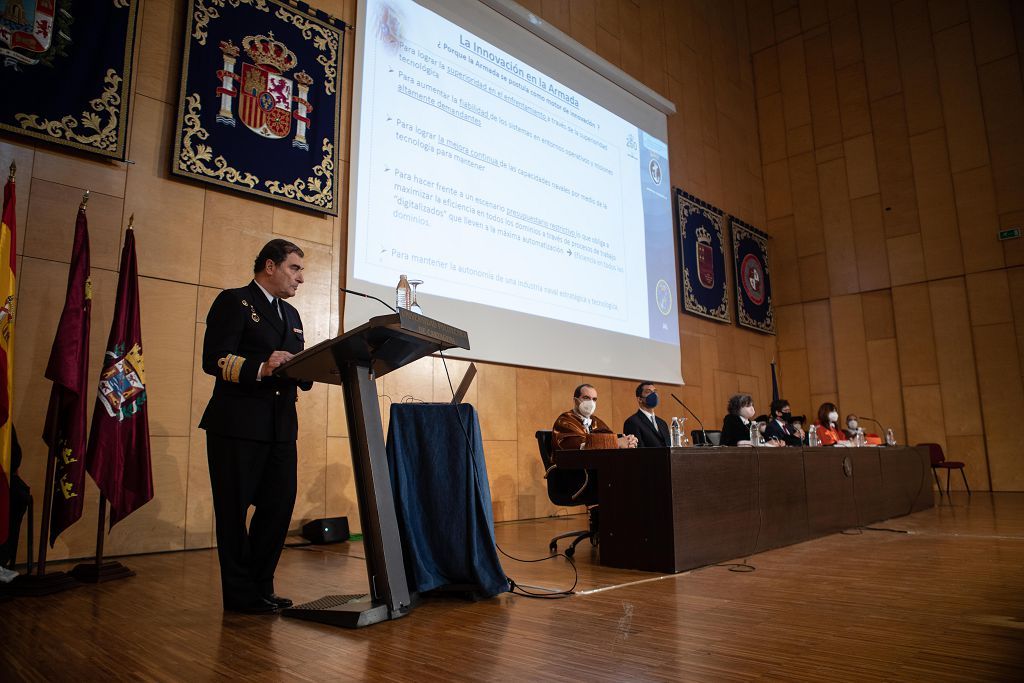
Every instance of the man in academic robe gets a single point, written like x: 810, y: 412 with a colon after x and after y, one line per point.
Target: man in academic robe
x: 649, y: 429
x: 251, y: 424
x: 579, y: 428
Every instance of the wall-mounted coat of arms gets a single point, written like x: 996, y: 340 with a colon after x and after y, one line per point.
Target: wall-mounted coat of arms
x: 703, y: 257
x: 258, y: 109
x: 66, y: 69
x: 753, y: 285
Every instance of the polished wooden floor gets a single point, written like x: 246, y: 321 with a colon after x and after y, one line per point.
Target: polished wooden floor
x: 944, y: 601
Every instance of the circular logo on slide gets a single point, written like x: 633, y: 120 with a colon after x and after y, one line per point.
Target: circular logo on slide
x: 663, y: 295
x: 655, y: 169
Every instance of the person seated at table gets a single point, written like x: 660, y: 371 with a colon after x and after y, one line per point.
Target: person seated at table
x: 649, y: 429
x: 853, y: 424
x: 829, y: 433
x: 579, y: 428
x: 780, y: 425
x: 736, y: 425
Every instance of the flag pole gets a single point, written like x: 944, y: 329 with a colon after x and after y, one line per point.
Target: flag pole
x: 99, y: 571
x: 44, y: 525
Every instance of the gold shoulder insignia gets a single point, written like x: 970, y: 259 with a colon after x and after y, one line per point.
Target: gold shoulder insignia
x: 230, y: 367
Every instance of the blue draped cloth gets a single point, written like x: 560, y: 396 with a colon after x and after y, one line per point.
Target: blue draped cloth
x: 442, y: 498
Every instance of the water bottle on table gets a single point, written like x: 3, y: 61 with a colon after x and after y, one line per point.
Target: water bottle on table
x: 676, y: 433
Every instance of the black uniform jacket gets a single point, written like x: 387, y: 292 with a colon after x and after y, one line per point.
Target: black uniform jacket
x: 639, y: 425
x: 242, y: 330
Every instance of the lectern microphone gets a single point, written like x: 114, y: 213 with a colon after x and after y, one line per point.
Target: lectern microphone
x: 369, y: 296
x: 707, y: 442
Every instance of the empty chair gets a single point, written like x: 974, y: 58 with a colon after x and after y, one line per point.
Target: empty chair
x: 939, y: 462
x: 569, y: 487
x: 714, y: 436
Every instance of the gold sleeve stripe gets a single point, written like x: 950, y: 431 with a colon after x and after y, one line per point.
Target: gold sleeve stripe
x: 230, y: 367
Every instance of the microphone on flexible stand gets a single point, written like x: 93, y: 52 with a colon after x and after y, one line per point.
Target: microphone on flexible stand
x: 880, y: 426
x: 707, y: 442
x: 369, y: 296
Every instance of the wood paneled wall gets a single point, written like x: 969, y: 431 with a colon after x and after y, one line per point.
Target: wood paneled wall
x: 892, y: 145
x: 194, y: 240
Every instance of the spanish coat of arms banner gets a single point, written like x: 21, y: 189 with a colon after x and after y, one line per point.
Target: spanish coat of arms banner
x: 259, y: 105
x: 66, y: 72
x: 703, y: 258
x: 753, y: 285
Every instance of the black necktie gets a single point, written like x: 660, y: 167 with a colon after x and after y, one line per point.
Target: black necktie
x: 277, y: 307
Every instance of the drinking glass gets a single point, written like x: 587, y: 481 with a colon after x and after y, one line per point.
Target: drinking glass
x: 414, y: 306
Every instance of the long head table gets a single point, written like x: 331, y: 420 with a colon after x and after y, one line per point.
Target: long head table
x: 673, y: 509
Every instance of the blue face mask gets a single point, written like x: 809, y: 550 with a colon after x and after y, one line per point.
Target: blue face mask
x: 651, y: 400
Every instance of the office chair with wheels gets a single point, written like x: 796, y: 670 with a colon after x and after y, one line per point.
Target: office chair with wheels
x: 569, y: 487
x: 939, y: 462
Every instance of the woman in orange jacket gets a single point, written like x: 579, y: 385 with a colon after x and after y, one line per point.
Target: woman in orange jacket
x: 829, y: 433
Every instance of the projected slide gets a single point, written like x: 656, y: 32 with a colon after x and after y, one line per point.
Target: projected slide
x: 500, y: 186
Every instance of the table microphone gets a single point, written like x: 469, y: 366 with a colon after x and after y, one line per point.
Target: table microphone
x: 369, y: 296
x: 707, y: 442
x: 880, y: 425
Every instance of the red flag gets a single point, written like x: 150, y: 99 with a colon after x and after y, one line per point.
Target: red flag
x: 118, y: 457
x: 8, y: 291
x: 68, y: 369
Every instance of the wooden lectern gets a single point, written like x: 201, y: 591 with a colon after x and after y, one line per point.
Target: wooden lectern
x: 354, y: 360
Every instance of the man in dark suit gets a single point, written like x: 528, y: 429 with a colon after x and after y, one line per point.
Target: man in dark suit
x: 251, y: 425
x: 649, y: 429
x: 780, y: 426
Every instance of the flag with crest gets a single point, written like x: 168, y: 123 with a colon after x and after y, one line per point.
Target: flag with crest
x: 118, y: 457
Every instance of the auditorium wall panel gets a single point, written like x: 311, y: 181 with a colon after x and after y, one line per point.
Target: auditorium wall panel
x: 169, y: 382
x: 940, y: 238
x: 170, y: 210
x: 52, y: 233
x: 886, y: 395
x: 870, y: 253
x: 785, y: 266
x: 942, y: 330
x: 1002, y: 394
x: 159, y: 62
x: 976, y: 211
x: 854, y: 389
x: 917, y: 66
x: 955, y: 356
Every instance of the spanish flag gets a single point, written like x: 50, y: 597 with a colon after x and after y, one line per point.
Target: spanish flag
x: 8, y: 290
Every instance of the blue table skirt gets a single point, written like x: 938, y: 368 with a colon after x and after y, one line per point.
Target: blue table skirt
x: 442, y: 498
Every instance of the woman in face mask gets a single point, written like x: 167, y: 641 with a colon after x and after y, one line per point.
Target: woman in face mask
x: 736, y: 426
x: 852, y: 426
x: 829, y: 433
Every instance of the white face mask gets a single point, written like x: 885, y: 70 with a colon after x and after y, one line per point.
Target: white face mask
x: 747, y: 412
x: 852, y: 424
x: 833, y: 417
x: 587, y: 407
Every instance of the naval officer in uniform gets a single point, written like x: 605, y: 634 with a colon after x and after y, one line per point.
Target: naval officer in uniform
x: 251, y: 425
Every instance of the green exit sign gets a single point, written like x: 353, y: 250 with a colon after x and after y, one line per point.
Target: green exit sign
x: 1009, y: 234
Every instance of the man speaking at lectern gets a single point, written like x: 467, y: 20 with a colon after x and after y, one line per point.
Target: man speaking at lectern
x: 251, y: 425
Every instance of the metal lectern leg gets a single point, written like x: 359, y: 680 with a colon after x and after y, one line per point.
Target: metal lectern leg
x: 385, y: 566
